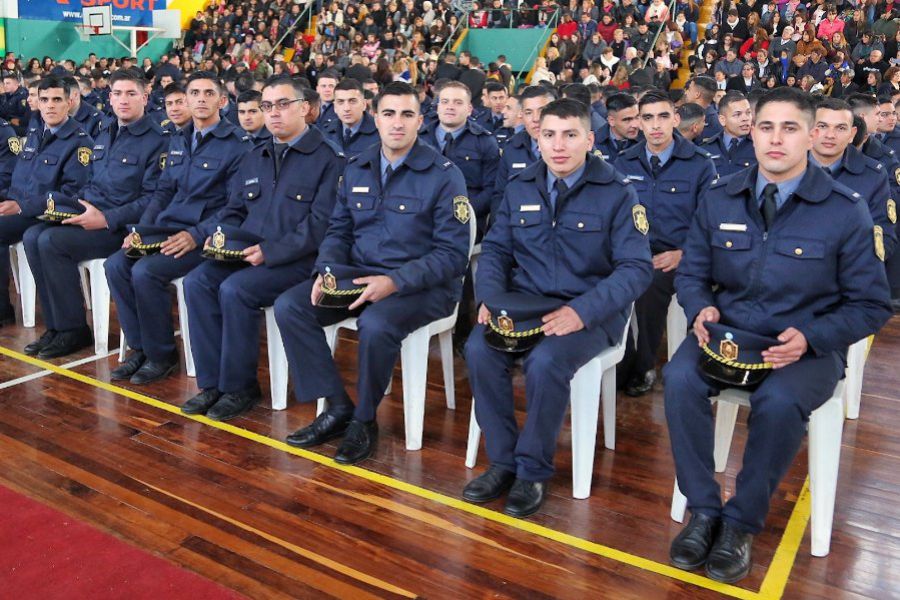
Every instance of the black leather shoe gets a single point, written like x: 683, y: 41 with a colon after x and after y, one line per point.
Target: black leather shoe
x: 640, y: 385
x: 729, y: 559
x: 152, y: 371
x: 525, y: 498
x: 326, y: 426
x: 37, y: 345
x: 234, y: 404
x: 489, y: 485
x: 359, y: 442
x: 68, y: 342
x: 691, y: 546
x: 202, y: 402
x: 128, y: 368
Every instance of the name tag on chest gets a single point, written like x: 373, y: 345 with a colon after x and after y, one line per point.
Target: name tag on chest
x: 530, y: 208
x: 732, y: 227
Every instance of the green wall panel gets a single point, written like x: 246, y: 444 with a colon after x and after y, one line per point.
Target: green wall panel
x: 517, y: 44
x: 32, y: 38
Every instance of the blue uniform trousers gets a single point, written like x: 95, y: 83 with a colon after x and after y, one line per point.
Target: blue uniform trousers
x: 12, y: 227
x: 549, y: 368
x: 650, y: 311
x: 779, y: 411
x: 382, y: 326
x: 140, y: 289
x: 224, y: 303
x: 54, y: 252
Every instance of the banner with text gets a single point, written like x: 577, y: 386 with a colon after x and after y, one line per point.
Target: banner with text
x: 132, y: 13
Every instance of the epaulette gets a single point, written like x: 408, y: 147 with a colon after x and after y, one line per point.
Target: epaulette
x: 717, y: 182
x: 708, y: 140
x: 446, y: 164
x: 352, y: 159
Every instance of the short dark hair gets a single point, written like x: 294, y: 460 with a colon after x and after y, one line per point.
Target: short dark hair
x: 833, y: 104
x: 620, y: 101
x: 568, y: 108
x: 691, y: 111
x: 730, y: 97
x: 494, y: 86
x: 396, y: 88
x: 173, y: 88
x: 244, y: 82
x: 53, y: 82
x: 577, y: 91
x: 329, y: 74
x: 300, y: 90
x: 126, y: 75
x: 707, y: 85
x: 349, y: 85
x: 537, y: 91
x: 10, y: 75
x: 654, y: 97
x: 857, y: 101
x: 861, y: 130
x: 800, y: 99
x: 249, y: 96
x: 884, y: 100
x: 208, y: 76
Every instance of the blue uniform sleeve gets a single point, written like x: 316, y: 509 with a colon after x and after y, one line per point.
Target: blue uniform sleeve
x: 307, y: 236
x: 450, y: 256
x: 500, y: 184
x: 865, y: 304
x: 878, y: 207
x: 490, y: 158
x: 120, y: 216
x: 162, y: 196
x: 632, y: 268
x: 73, y: 175
x: 693, y: 278
x: 7, y: 159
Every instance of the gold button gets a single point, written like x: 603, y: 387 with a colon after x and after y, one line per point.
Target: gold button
x: 798, y: 251
x: 402, y: 207
x: 728, y: 244
x: 581, y: 226
x: 359, y: 205
x: 205, y: 165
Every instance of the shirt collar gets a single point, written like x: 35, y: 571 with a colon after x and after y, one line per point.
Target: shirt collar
x: 55, y: 130
x: 394, y: 165
x: 664, y: 156
x: 785, y: 188
x: 570, y: 180
x: 354, y: 129
x: 442, y: 133
x: 535, y: 149
x: 833, y: 169
x: 293, y: 142
x: 726, y: 138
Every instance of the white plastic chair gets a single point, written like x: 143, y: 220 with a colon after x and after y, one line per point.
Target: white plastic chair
x: 676, y: 326
x: 826, y: 425
x: 93, y: 278
x: 594, y: 381
x: 24, y: 282
x: 185, y: 331
x: 856, y: 365
x: 278, y: 362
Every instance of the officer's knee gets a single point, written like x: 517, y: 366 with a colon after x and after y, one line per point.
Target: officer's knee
x: 543, y: 363
x: 777, y: 407
x: 286, y: 307
x: 142, y: 274
x: 117, y: 267
x: 476, y: 349
x: 375, y: 330
x: 231, y: 292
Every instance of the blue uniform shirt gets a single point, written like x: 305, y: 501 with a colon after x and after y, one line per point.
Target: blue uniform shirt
x: 413, y: 229
x: 785, y: 189
x: 608, y: 145
x: 9, y: 153
x: 592, y: 251
x: 195, y: 185
x: 60, y: 165
x: 742, y: 157
x: 517, y: 154
x: 364, y: 135
x: 817, y: 268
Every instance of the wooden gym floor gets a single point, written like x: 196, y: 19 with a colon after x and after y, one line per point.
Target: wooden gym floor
x: 235, y: 504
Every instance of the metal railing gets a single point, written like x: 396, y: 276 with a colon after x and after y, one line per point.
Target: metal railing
x: 659, y: 31
x: 551, y: 27
x: 307, y: 10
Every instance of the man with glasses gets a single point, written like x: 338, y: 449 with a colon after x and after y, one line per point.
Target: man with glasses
x: 284, y: 194
x: 200, y: 166
x: 53, y: 159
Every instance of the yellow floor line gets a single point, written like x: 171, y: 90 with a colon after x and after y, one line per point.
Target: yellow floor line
x: 780, y: 569
x: 776, y: 581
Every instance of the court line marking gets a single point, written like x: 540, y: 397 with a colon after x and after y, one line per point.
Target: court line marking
x: 771, y: 583
x: 45, y: 372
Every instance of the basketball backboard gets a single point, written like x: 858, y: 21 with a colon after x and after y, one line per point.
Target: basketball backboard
x: 97, y: 20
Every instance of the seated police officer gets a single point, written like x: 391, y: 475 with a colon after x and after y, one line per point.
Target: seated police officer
x: 402, y: 216
x: 284, y: 194
x: 354, y: 129
x: 53, y: 159
x: 669, y: 173
x: 178, y: 112
x: 125, y: 165
x: 622, y: 128
x: 512, y: 121
x: 522, y: 149
x: 495, y: 95
x: 832, y: 150
x: 202, y: 160
x: 87, y: 117
x: 251, y: 117
x: 732, y: 148
x: 783, y: 251
x: 600, y: 264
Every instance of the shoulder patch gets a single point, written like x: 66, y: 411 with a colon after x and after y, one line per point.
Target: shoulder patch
x: 892, y: 210
x: 162, y: 160
x: 84, y: 155
x: 446, y: 165
x: 897, y: 175
x: 165, y: 122
x: 879, y: 242
x: 639, y: 215
x: 15, y: 145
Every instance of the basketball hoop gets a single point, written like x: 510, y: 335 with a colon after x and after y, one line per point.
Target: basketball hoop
x: 86, y: 31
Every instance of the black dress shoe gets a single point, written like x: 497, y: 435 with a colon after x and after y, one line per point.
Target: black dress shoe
x: 202, y: 402
x: 691, y: 546
x: 68, y: 342
x: 359, y: 442
x: 234, y: 404
x: 326, y: 426
x: 729, y: 559
x: 640, y: 385
x: 37, y: 345
x: 489, y: 485
x: 525, y: 498
x: 129, y: 367
x: 152, y: 371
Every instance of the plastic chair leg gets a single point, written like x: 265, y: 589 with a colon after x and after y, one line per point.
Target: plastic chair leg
x: 278, y: 363
x: 726, y: 416
x: 474, y: 439
x: 585, y: 412
x: 185, y: 328
x: 825, y: 430
x: 414, y: 363
x: 445, y: 339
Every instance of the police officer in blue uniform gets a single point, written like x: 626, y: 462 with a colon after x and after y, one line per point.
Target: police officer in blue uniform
x: 284, y: 193
x: 833, y: 151
x: 126, y: 160
x: 54, y: 159
x: 14, y: 102
x: 622, y: 129
x: 87, y: 117
x: 471, y: 148
x: 354, y: 130
x: 491, y: 118
x: 669, y: 174
x: 201, y: 162
x: 325, y: 86
x: 512, y: 121
x: 702, y: 90
x: 781, y: 250
x: 178, y: 113
x: 522, y: 148
x: 732, y: 148
x: 9, y: 153
x: 401, y: 215
x: 251, y: 117
x: 552, y: 238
